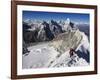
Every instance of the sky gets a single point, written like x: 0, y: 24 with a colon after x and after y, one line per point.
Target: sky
x: 47, y: 16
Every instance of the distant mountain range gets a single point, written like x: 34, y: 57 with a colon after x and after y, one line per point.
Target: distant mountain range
x: 44, y: 31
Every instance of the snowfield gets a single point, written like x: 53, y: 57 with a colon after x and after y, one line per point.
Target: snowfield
x: 39, y: 56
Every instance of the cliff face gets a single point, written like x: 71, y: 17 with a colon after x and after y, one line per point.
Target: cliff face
x: 65, y: 41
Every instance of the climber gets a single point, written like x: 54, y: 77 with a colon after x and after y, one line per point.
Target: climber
x: 71, y: 52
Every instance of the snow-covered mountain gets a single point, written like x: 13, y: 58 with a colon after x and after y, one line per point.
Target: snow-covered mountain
x: 54, y: 40
x: 45, y: 30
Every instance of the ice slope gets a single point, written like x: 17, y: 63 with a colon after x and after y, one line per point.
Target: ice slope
x: 56, y: 53
x: 84, y: 43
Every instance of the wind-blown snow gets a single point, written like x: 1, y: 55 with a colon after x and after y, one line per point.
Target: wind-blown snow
x: 84, y: 45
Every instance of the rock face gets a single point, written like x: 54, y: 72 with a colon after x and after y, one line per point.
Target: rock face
x: 55, y: 28
x: 48, y: 32
x: 65, y: 41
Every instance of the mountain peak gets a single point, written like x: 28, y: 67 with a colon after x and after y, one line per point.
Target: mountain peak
x: 67, y: 21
